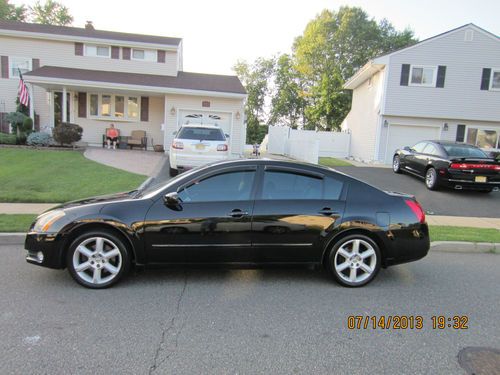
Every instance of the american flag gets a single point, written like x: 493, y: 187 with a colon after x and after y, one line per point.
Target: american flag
x: 22, y: 91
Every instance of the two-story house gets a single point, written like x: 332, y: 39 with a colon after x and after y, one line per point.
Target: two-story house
x: 446, y: 87
x: 94, y: 78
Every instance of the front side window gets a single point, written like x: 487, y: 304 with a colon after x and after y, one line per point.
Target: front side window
x: 495, y: 80
x: 229, y: 186
x: 280, y: 185
x: 423, y: 76
x: 17, y: 64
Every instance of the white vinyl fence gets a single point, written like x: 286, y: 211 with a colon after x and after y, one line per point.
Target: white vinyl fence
x: 307, y: 145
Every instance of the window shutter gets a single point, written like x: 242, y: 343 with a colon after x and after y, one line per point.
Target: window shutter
x: 441, y: 76
x: 460, y: 133
x: 5, y: 66
x: 35, y: 64
x: 82, y: 104
x: 79, y: 49
x: 115, y: 52
x: 144, y: 108
x: 126, y: 53
x: 485, y: 79
x: 405, y: 74
x: 161, y: 56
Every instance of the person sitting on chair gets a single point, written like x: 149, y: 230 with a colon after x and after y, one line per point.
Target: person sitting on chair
x: 112, y: 136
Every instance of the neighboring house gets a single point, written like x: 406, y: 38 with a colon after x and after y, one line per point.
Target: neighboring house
x: 445, y: 87
x: 94, y: 78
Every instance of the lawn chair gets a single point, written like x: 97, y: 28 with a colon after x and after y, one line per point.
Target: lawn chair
x: 138, y: 138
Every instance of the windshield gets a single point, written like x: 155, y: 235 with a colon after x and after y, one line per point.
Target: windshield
x: 464, y: 151
x: 201, y: 134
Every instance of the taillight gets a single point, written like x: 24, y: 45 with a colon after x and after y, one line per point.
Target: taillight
x: 493, y: 167
x: 221, y: 147
x: 178, y: 145
x: 417, y: 210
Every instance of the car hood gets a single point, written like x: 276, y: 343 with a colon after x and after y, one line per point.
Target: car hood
x: 101, y: 199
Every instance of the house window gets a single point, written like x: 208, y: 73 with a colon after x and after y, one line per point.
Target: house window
x: 495, y: 80
x: 483, y: 138
x: 423, y: 75
x: 94, y: 105
x: 17, y: 64
x: 144, y: 54
x: 114, y: 106
x: 97, y: 51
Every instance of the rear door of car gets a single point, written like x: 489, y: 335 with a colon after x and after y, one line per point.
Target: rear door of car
x: 414, y: 159
x: 295, y: 209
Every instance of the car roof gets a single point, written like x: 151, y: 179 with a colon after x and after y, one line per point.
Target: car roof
x: 207, y: 126
x: 274, y: 162
x: 448, y: 143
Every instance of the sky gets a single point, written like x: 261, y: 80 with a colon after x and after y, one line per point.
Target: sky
x: 218, y: 33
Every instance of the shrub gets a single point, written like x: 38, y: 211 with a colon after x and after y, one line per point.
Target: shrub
x: 27, y: 125
x: 16, y: 120
x: 7, y: 139
x: 39, y: 139
x: 67, y: 133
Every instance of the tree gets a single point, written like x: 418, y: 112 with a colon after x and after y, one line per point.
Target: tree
x: 51, y: 13
x: 288, y: 102
x: 333, y: 47
x: 255, y: 78
x: 10, y: 12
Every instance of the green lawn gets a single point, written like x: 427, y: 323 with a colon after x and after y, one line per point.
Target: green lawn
x: 445, y: 233
x: 333, y: 162
x: 57, y: 176
x: 15, y: 223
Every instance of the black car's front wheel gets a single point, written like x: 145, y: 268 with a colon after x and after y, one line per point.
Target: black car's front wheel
x: 396, y: 164
x: 97, y: 259
x: 354, y: 261
x: 431, y: 179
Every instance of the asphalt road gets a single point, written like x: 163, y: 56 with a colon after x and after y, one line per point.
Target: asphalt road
x: 441, y: 202
x: 214, y: 321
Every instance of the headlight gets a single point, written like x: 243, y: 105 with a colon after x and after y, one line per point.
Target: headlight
x: 45, y: 221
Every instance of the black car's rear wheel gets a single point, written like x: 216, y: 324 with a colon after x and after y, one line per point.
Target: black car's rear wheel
x: 431, y: 179
x: 97, y: 259
x: 396, y: 164
x: 354, y: 261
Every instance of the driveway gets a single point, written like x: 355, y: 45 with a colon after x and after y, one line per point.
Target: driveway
x: 219, y: 321
x: 442, y: 202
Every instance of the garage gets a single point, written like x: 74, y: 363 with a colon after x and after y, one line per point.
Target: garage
x: 407, y: 135
x: 221, y: 119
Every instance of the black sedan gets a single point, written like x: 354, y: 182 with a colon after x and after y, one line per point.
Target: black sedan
x: 243, y: 213
x: 449, y: 164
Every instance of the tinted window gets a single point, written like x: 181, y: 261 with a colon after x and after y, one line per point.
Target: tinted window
x: 464, y: 151
x: 201, y: 134
x: 431, y: 149
x: 419, y: 147
x: 289, y: 185
x: 333, y: 188
x: 230, y: 186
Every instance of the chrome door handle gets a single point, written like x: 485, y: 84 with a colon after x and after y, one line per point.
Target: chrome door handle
x: 238, y: 213
x: 327, y: 212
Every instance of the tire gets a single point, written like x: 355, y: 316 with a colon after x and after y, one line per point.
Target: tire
x: 94, y: 268
x: 173, y: 172
x: 431, y: 179
x: 396, y: 164
x: 486, y: 191
x: 349, y: 266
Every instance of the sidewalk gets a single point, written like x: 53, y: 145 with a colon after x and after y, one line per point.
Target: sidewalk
x: 454, y: 221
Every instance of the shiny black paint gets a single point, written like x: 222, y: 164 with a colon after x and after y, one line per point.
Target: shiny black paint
x: 271, y: 231
x: 417, y: 163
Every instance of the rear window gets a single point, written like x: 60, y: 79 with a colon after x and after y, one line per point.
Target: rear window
x: 201, y: 134
x: 458, y: 151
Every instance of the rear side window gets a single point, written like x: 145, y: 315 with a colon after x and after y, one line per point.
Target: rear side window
x: 431, y: 149
x: 201, y: 134
x: 419, y: 147
x: 332, y: 188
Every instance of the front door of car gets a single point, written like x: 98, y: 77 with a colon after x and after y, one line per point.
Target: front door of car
x: 294, y: 211
x: 210, y: 224
x: 414, y: 159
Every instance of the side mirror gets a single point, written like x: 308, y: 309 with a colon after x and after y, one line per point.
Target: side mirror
x: 172, y: 199
x: 407, y: 148
x: 227, y: 135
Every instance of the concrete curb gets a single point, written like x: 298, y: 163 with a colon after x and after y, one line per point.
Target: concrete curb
x: 438, y: 246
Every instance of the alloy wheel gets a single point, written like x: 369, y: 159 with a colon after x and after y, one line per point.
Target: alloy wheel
x: 430, y: 178
x: 396, y: 164
x: 97, y: 260
x: 355, y: 261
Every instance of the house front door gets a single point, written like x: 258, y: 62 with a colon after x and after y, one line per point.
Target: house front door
x: 58, y: 107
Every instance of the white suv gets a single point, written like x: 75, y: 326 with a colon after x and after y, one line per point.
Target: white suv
x: 196, y: 145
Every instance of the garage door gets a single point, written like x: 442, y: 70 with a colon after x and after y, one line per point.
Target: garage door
x: 408, y: 135
x: 221, y: 119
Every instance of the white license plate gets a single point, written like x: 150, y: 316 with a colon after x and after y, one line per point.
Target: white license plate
x: 200, y: 146
x: 480, y: 179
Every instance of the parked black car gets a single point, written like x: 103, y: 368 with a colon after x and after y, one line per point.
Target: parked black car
x: 245, y: 213
x: 449, y: 164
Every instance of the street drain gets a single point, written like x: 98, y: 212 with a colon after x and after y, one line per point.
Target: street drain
x: 480, y: 361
